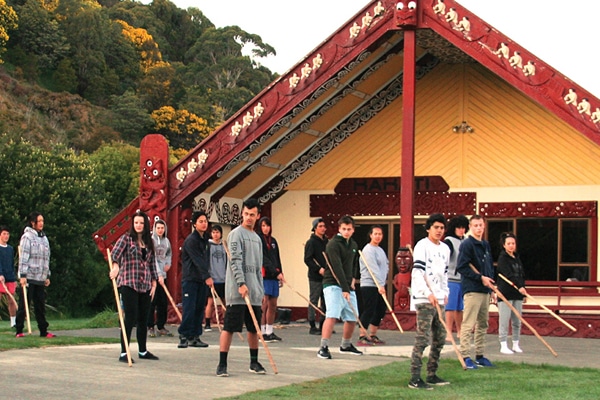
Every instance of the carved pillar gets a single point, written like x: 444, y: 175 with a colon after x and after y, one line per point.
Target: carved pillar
x: 404, y: 263
x: 179, y: 226
x: 154, y: 168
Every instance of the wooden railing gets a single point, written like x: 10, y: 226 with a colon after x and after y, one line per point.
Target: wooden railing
x: 586, y: 292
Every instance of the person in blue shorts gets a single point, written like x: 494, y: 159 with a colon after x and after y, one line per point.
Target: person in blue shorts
x: 457, y: 228
x: 272, y: 279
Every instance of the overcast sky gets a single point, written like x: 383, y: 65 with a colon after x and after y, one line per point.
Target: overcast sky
x: 562, y: 33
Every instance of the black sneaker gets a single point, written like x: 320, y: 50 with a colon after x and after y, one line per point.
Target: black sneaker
x: 419, y: 384
x: 314, y: 331
x: 196, y: 342
x: 147, y: 356
x: 124, y: 359
x: 271, y: 338
x: 257, y: 368
x: 183, y: 342
x: 324, y: 353
x: 222, y: 370
x: 351, y: 350
x: 436, y: 380
x: 207, y: 328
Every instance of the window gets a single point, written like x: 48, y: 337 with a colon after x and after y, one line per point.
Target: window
x: 550, y: 248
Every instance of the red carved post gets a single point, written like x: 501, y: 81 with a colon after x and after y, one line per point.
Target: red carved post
x: 402, y: 279
x: 154, y: 167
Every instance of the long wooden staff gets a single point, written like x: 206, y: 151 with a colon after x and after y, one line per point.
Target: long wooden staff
x: 349, y: 301
x: 26, y: 300
x: 119, y: 310
x: 439, y: 313
x: 9, y: 295
x: 171, y: 300
x: 517, y: 313
x: 387, y: 303
x: 568, y: 325
x: 259, y: 333
x: 305, y: 298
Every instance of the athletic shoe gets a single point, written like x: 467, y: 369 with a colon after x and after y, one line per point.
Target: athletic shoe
x: 470, y: 364
x: 351, y: 350
x: 196, y: 342
x: 164, y: 332
x: 124, y: 359
x: 436, y: 380
x: 484, y: 362
x: 419, y: 384
x: 364, y: 341
x: 376, y: 340
x: 222, y: 370
x: 324, y: 353
x: 48, y: 335
x: 257, y: 368
x: 151, y: 332
x: 314, y: 331
x: 20, y: 335
x: 147, y: 356
x: 207, y: 328
x: 183, y: 342
x: 271, y: 338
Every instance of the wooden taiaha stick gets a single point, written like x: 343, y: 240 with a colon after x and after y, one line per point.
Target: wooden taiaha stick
x: 305, y: 298
x: 439, y: 313
x: 10, y: 295
x: 171, y: 301
x: 387, y: 303
x: 259, y: 333
x: 27, y: 317
x: 119, y: 310
x: 517, y: 313
x: 568, y: 325
x: 349, y: 302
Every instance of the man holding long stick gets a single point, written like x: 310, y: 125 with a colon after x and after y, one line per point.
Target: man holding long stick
x: 477, y: 288
x: 429, y: 294
x: 243, y: 279
x: 340, y: 298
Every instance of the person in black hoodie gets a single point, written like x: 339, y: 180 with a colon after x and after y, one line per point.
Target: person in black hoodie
x: 272, y: 279
x: 511, y: 267
x: 314, y: 260
x: 195, y: 282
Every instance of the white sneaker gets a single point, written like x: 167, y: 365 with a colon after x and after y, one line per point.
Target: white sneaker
x: 504, y: 348
x: 516, y: 349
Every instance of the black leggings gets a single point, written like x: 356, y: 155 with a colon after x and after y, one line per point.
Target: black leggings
x: 374, y: 306
x: 135, y: 307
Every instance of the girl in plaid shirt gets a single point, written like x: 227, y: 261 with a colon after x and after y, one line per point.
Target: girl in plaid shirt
x: 134, y: 266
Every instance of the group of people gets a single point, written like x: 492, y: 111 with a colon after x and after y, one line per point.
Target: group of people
x: 33, y: 274
x: 244, y: 275
x: 458, y: 274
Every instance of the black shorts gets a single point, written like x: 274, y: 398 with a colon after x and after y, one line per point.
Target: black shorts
x: 237, y: 315
x: 220, y: 289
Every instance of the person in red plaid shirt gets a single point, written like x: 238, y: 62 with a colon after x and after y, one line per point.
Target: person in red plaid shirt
x: 134, y: 266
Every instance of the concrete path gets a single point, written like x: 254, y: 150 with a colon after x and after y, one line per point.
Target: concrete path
x: 94, y: 372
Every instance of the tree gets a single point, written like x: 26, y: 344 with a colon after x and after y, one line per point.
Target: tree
x: 8, y: 21
x: 67, y: 191
x: 182, y: 128
x: 130, y: 117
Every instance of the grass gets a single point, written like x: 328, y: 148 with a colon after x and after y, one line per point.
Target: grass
x: 105, y: 319
x: 508, y: 381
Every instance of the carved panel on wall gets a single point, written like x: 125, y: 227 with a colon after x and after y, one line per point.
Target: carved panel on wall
x: 540, y: 209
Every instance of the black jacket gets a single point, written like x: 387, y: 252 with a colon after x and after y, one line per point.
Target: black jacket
x: 478, y: 253
x: 313, y: 256
x: 195, y: 258
x: 512, y: 269
x: 271, y: 260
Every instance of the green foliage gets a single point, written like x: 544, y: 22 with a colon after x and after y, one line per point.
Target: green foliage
x: 182, y: 128
x: 130, y: 117
x: 8, y: 21
x: 65, y: 189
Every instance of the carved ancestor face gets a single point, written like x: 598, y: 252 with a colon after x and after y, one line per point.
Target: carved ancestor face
x: 403, y: 261
x: 406, y: 14
x: 153, y: 173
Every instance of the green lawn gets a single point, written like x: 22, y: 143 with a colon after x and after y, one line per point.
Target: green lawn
x: 506, y: 382
x: 104, y: 319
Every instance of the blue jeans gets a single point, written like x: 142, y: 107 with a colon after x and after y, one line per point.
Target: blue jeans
x: 194, y: 301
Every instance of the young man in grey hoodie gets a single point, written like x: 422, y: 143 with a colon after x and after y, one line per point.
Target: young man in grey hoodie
x: 162, y: 249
